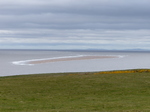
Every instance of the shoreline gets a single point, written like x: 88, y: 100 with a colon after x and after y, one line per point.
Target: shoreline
x: 119, y: 71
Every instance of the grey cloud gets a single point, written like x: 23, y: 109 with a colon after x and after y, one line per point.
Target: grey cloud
x: 90, y: 7
x: 76, y: 14
x: 95, y: 22
x: 65, y: 21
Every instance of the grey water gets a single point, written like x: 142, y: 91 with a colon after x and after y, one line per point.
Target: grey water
x: 129, y: 60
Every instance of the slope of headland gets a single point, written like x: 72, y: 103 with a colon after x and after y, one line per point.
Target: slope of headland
x: 110, y: 91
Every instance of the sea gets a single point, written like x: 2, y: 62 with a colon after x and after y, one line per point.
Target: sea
x: 10, y: 61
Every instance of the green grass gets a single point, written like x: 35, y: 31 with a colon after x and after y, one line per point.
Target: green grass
x: 81, y: 92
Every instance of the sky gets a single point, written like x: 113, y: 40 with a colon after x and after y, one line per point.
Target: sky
x: 75, y: 24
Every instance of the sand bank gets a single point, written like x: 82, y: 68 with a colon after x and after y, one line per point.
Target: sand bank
x: 70, y: 59
x: 65, y: 58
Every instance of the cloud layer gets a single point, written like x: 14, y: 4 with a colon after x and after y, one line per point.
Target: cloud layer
x: 75, y: 24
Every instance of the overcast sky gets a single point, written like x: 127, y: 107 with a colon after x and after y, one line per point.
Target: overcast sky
x: 75, y: 24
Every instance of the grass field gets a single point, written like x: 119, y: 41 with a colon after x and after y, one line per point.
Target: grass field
x: 76, y: 92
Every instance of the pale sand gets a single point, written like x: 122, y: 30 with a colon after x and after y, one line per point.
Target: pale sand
x: 70, y: 59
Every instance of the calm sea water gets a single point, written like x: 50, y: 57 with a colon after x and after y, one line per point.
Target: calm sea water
x: 130, y: 60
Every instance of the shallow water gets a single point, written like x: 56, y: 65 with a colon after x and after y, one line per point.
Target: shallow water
x: 129, y: 60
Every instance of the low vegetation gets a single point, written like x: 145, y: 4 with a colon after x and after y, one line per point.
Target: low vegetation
x: 113, y: 91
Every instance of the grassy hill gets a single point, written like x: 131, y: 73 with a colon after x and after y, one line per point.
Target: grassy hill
x: 114, y: 91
